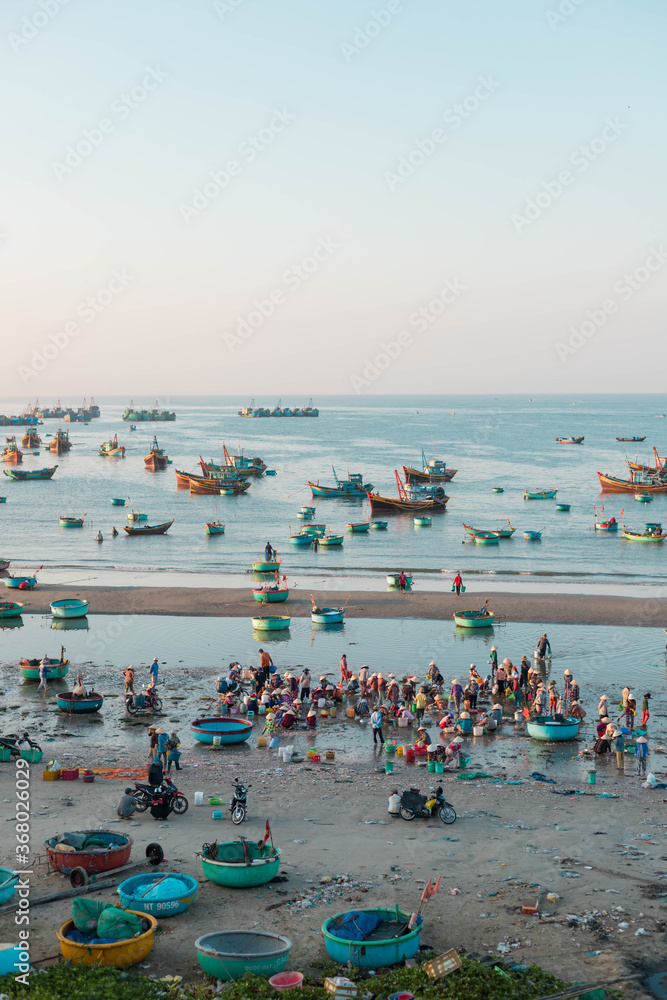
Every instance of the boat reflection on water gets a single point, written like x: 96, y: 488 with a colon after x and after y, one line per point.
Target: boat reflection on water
x: 70, y: 623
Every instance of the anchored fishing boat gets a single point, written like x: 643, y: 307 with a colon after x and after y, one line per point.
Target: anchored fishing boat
x: 410, y: 498
x: 306, y: 513
x: 354, y: 486
x: 313, y: 529
x: 135, y: 416
x: 543, y: 727
x: 271, y: 593
x: 360, y: 527
x: 85, y: 704
x: 60, y: 443
x: 302, y: 538
x: 71, y: 521
x: 31, y: 439
x: 11, y: 452
x: 499, y: 532
x: 111, y: 449
x: 330, y: 540
x: 223, y: 730
x: 433, y: 471
x: 563, y: 506
x: 327, y: 616
x: 215, y: 528
x: 70, y: 607
x: 632, y: 439
x: 644, y: 497
x: 539, y: 494
x: 610, y: 525
x: 652, y: 533
x: 611, y: 484
x: 267, y: 566
x: 422, y: 522
x: 240, y: 865
x: 55, y: 668
x: 10, y: 609
x: 532, y: 536
x: 474, y: 619
x: 24, y: 475
x: 117, y: 502
x: 233, y: 464
x: 228, y: 955
x: 156, y: 459
x: 149, y: 529
x: 487, y: 538
x: 570, y: 440
x: 271, y: 623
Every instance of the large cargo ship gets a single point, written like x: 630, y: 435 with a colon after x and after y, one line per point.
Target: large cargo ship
x: 135, y: 416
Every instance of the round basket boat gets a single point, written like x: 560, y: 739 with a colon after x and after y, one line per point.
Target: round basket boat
x: 141, y: 894
x: 328, y: 616
x: 14, y: 582
x: 55, y: 669
x: 8, y: 879
x: 240, y: 866
x: 69, y: 702
x: 224, y: 730
x: 228, y: 955
x: 374, y: 952
x: 547, y: 729
x: 118, y: 955
x: 95, y: 860
x: 71, y: 607
x: 10, y: 609
x: 392, y: 579
x: 271, y: 623
x: 270, y: 596
x: 473, y: 619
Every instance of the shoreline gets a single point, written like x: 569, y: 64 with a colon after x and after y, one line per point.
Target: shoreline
x: 230, y: 602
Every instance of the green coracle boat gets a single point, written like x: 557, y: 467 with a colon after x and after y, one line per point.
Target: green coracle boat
x: 240, y: 864
x: 474, y: 619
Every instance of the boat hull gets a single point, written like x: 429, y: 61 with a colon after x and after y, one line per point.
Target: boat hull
x: 69, y: 608
x: 68, y: 703
x: 328, y: 616
x: 333, y: 491
x: 473, y: 619
x: 330, y: 541
x: 92, y: 862
x: 228, y: 955
x: 120, y: 955
x: 265, y: 567
x: 498, y: 533
x: 358, y: 528
x: 379, y: 525
x: 157, y: 529
x: 14, y: 582
x: 540, y: 495
x: 610, y: 484
x: 395, y: 505
x: 636, y: 536
x: 229, y: 730
x: 130, y: 893
x: 239, y: 875
x: 10, y: 609
x: 24, y: 475
x: 270, y: 596
x: 415, y: 476
x: 54, y: 673
x: 373, y: 954
x: 215, y: 529
x: 552, y: 732
x: 271, y: 623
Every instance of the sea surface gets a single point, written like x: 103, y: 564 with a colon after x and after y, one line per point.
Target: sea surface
x: 506, y: 441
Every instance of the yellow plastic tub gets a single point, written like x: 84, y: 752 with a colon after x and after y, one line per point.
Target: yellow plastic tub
x: 119, y: 955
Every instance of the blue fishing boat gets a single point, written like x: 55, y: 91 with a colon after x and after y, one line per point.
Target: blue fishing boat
x: 69, y: 702
x: 215, y: 528
x: 498, y: 489
x: 69, y: 608
x: 354, y: 486
x: 271, y: 623
x: 422, y: 522
x: 545, y: 728
x: 487, y: 538
x: 539, y: 494
x: 360, y: 527
x: 562, y: 506
x: 330, y: 540
x: 302, y: 538
x: 313, y: 529
x: 392, y: 947
x: 8, y: 609
x: 227, y: 730
x: 271, y: 593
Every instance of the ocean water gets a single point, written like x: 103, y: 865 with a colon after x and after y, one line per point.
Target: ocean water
x: 506, y: 440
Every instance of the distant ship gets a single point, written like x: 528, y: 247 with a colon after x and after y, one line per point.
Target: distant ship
x: 278, y: 411
x: 142, y: 416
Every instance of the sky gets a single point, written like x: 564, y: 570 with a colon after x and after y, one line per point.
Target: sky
x: 225, y: 196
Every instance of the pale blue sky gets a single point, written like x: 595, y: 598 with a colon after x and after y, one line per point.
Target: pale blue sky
x: 323, y: 178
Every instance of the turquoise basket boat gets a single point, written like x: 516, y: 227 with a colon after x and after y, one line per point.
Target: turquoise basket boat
x: 117, y: 502
x: 71, y: 607
x: 532, y: 536
x: 271, y: 623
x: 301, y: 538
x: 228, y: 955
x: 360, y: 527
x: 562, y: 506
x: 328, y: 616
x: 547, y: 729
x: 14, y: 582
x: 270, y: 596
x: 133, y: 891
x: 392, y: 580
x: 422, y: 522
x: 68, y: 702
x: 266, y: 567
x: 331, y: 540
x: 9, y: 609
x: 489, y: 538
x: 539, y: 494
x: 473, y: 619
x: 314, y: 529
x: 231, y: 868
x: 379, y: 525
x: 8, y: 879
x: 226, y: 730
x: 55, y: 669
x: 374, y: 953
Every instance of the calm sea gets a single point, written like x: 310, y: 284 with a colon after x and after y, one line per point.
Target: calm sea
x: 504, y: 441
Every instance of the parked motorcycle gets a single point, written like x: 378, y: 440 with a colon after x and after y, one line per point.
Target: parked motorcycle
x: 414, y: 804
x: 15, y: 743
x: 239, y: 804
x: 145, y: 701
x: 144, y: 794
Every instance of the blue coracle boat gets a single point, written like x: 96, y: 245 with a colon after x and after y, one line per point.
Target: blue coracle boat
x: 142, y: 894
x: 67, y: 702
x: 229, y: 730
x: 546, y: 728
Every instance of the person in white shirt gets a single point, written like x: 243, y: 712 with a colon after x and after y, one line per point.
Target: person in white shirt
x: 376, y: 724
x: 394, y: 806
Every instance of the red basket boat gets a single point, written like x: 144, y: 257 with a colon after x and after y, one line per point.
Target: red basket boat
x: 93, y: 859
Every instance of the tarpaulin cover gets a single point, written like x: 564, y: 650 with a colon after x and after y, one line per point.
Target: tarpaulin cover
x: 355, y: 925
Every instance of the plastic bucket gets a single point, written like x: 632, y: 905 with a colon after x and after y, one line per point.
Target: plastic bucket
x: 329, y: 754
x: 321, y: 702
x: 199, y: 798
x: 439, y: 767
x: 262, y: 741
x: 261, y: 709
x: 463, y: 761
x: 332, y: 711
x: 217, y: 741
x: 287, y: 754
x: 399, y: 751
x: 431, y: 765
x: 592, y: 777
x: 518, y: 716
x: 409, y: 753
x: 478, y: 730
x: 389, y: 767
x: 273, y: 742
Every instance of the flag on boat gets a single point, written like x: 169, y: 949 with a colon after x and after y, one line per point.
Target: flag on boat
x: 267, y: 833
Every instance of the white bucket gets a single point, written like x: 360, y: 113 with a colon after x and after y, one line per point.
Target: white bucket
x: 287, y: 754
x: 199, y: 798
x: 217, y: 741
x: 478, y: 730
x: 518, y: 716
x: 403, y: 723
x: 321, y: 702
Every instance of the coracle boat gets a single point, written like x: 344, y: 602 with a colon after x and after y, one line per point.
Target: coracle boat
x: 392, y: 579
x: 176, y: 894
x: 271, y: 594
x: 313, y: 529
x: 499, y: 532
x: 60, y: 443
x: 354, y: 486
x: 532, y: 536
x: 652, y: 533
x: 545, y: 728
x: 563, y: 506
x: 156, y: 459
x: 422, y: 522
x: 379, y: 525
x: 228, y: 955
x: 570, y: 440
x: 474, y: 619
x: 240, y: 864
x: 268, y: 566
x: 11, y: 452
x: 434, y: 471
x: 25, y: 475
x: 632, y: 439
x: 306, y: 512
x: 55, y: 668
x: 215, y: 528
x: 327, y: 616
x: 410, y: 498
x: 71, y: 607
x: 69, y: 702
x: 111, y: 449
x: 644, y: 498
x: 117, y: 502
x: 358, y: 527
x: 14, y: 582
x: 95, y: 851
x: 386, y: 945
x: 117, y: 955
x: 539, y: 494
x: 149, y: 529
x: 330, y: 540
x: 611, y: 484
x: 10, y: 609
x: 488, y: 538
x: 271, y: 623
x: 302, y: 538
x: 71, y: 521
x: 221, y: 729
x: 498, y: 489
x: 610, y: 525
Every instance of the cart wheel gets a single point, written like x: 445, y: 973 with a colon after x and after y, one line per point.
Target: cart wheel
x: 78, y: 878
x: 155, y: 854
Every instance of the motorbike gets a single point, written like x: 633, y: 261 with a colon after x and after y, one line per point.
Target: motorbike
x: 144, y: 794
x: 14, y: 743
x: 146, y: 701
x: 239, y: 804
x: 414, y: 804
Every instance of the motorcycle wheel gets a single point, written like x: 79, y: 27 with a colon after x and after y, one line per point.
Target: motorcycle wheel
x: 406, y: 813
x: 157, y: 705
x: 180, y: 804
x: 447, y: 813
x: 143, y: 801
x: 238, y: 815
x: 131, y: 708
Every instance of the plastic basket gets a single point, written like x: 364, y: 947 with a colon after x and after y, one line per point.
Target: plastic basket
x: 442, y: 965
x: 51, y: 775
x: 316, y: 758
x: 69, y: 773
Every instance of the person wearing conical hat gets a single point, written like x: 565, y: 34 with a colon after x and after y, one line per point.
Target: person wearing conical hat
x: 494, y: 662
x: 603, y: 708
x: 311, y: 719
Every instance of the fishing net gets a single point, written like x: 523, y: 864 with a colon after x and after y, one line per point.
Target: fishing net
x: 118, y: 924
x: 86, y: 913
x: 167, y: 888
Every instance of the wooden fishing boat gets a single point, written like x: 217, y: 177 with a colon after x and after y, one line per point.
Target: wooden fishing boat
x: 433, y: 471
x: 134, y: 415
x: 360, y: 527
x: 218, y: 487
x: 31, y: 439
x: 24, y: 475
x: 270, y: 594
x: 117, y: 955
x: 149, y: 529
x: 500, y: 532
x: 93, y: 861
x: 392, y: 580
x: 133, y: 893
x: 111, y: 449
x: 632, y: 439
x: 60, y: 443
x: 327, y: 616
x: 14, y: 582
x: 11, y: 452
x: 156, y: 459
x: 302, y: 538
x: 55, y: 668
x: 69, y: 702
x: 240, y: 864
x: 215, y: 528
x: 610, y: 484
x: 545, y: 728
x: 4, y: 563
x: 330, y: 540
x: 539, y: 494
x: 10, y: 609
x: 182, y: 478
x: 643, y: 497
x: 267, y: 566
x: 474, y: 619
x: 610, y: 525
x: 234, y: 463
x: 379, y: 525
x: 532, y: 536
x: 228, y: 730
x: 71, y: 521
x: 570, y: 440
x: 563, y: 506
x: 354, y: 486
x: 70, y: 607
x: 271, y: 623
x: 652, y: 533
x: 117, y: 502
x: 410, y: 498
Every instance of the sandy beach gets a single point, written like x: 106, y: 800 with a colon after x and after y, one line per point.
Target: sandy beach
x: 235, y: 602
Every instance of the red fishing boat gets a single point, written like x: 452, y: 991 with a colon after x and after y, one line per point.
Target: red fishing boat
x: 410, y: 497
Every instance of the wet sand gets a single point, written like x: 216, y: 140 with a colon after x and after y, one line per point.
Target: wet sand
x: 567, y: 609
